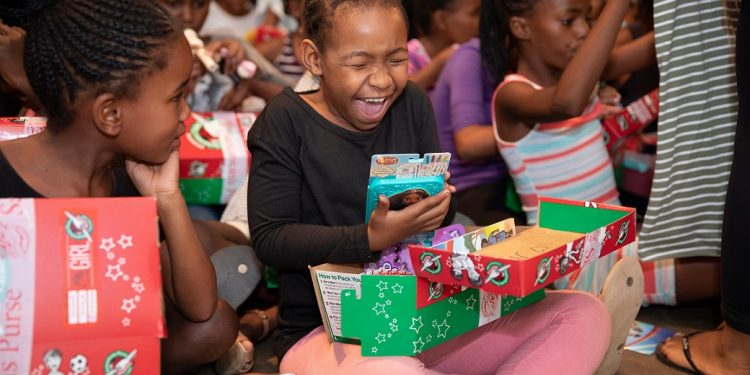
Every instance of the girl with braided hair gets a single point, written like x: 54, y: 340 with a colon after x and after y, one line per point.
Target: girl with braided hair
x: 111, y: 76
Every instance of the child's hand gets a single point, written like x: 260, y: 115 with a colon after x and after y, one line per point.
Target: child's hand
x: 232, y: 100
x: 230, y: 50
x: 610, y: 99
x: 12, y: 41
x: 388, y: 227
x: 155, y: 180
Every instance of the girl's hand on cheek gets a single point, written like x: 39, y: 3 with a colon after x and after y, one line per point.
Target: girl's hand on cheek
x: 387, y: 227
x: 155, y: 180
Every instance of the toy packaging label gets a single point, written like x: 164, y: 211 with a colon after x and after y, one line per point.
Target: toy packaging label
x: 636, y: 116
x: 81, y: 287
x: 570, y: 235
x: 19, y: 127
x: 214, y: 159
x: 406, y: 179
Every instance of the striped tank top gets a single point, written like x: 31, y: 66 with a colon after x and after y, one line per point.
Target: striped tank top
x: 566, y: 159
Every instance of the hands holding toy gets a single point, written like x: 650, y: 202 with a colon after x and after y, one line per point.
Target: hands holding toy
x: 387, y: 227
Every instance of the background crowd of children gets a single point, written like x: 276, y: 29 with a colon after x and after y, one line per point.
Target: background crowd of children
x: 515, y: 90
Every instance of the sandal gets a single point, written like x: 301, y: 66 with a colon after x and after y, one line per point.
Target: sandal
x: 621, y: 295
x: 249, y: 327
x: 238, y: 359
x: 685, y: 350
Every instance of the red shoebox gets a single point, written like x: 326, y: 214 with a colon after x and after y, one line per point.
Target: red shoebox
x: 570, y: 235
x: 214, y: 160
x: 19, y: 127
x: 81, y: 288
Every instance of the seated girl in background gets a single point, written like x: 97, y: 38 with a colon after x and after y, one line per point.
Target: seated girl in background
x: 115, y: 118
x: 438, y: 26
x: 306, y: 205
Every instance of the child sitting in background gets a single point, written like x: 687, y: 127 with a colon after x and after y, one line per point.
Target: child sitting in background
x: 114, y: 124
x: 306, y: 205
x: 438, y: 26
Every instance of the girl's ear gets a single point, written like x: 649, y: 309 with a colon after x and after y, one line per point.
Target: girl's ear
x: 519, y: 27
x: 107, y: 115
x: 438, y: 21
x: 311, y: 57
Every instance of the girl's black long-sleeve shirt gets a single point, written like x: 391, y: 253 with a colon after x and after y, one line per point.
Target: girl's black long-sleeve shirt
x: 307, y: 192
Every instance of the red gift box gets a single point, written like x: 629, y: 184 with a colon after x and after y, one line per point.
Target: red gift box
x: 81, y: 288
x: 19, y: 127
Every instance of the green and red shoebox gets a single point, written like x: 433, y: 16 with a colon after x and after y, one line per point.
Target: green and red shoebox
x: 214, y: 160
x: 81, y: 288
x: 390, y: 315
x: 569, y: 235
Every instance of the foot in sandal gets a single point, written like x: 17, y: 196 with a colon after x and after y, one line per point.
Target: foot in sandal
x: 238, y: 359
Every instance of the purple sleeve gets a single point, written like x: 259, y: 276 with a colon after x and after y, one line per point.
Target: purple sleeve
x: 468, y: 101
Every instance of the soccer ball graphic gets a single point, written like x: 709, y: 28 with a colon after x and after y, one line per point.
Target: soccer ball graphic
x: 78, y: 364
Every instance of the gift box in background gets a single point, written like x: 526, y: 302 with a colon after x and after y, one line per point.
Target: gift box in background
x: 81, y: 288
x: 19, y: 127
x: 214, y: 160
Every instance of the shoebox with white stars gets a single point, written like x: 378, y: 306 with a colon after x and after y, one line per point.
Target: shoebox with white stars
x: 81, y: 288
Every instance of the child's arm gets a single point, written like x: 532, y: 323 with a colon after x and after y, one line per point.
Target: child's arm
x: 12, y: 41
x: 520, y: 103
x: 470, y: 122
x: 631, y: 57
x: 427, y: 77
x: 190, y: 279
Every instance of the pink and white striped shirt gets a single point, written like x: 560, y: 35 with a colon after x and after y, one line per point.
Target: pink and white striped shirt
x: 566, y: 159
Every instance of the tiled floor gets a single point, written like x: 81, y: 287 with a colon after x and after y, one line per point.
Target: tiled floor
x: 687, y: 318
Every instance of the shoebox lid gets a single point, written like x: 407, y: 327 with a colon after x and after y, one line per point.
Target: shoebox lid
x: 19, y: 127
x: 77, y: 279
x: 570, y: 235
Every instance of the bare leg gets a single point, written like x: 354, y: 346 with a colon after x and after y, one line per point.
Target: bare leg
x: 192, y: 344
x: 697, y: 279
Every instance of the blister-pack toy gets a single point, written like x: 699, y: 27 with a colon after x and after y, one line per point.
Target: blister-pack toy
x: 406, y: 179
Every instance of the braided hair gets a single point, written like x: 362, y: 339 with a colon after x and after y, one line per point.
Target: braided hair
x: 89, y: 46
x: 496, y: 43
x: 319, y: 15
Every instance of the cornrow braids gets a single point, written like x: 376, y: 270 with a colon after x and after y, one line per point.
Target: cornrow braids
x: 97, y: 46
x: 319, y: 15
x: 496, y: 43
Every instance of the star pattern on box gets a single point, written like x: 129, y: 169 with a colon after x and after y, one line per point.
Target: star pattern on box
x: 382, y: 285
x: 394, y: 325
x: 128, y: 305
x: 470, y: 302
x: 137, y: 286
x: 380, y: 338
x: 381, y: 295
x: 107, y: 244
x: 443, y: 329
x: 126, y: 322
x: 480, y: 267
x: 418, y: 345
x: 114, y: 272
x: 429, y: 338
x: 125, y: 241
x: 374, y: 350
x: 416, y: 324
x: 397, y: 289
x: 434, y: 323
x: 110, y: 256
x: 379, y: 308
x: 509, y: 301
x: 121, y: 260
